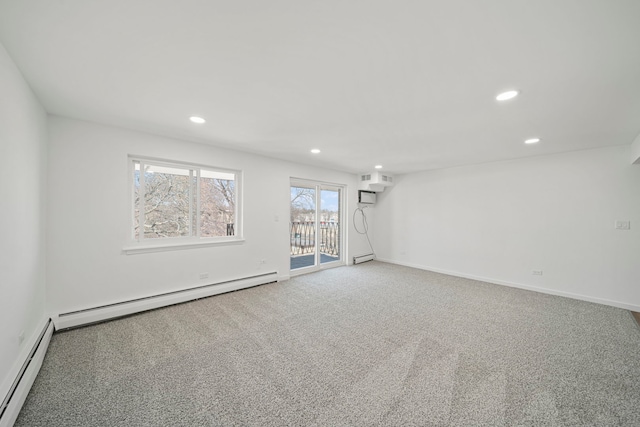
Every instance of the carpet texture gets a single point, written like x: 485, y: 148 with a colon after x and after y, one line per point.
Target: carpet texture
x: 369, y: 345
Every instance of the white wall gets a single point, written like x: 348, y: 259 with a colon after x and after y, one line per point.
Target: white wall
x: 23, y: 124
x: 635, y: 150
x: 89, y: 211
x: 500, y: 221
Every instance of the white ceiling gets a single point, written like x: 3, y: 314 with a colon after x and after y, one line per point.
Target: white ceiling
x: 407, y: 84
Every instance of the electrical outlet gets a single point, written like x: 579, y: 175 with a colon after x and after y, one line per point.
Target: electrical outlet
x: 20, y: 337
x: 623, y: 225
x: 204, y: 276
x: 263, y: 261
x: 536, y: 272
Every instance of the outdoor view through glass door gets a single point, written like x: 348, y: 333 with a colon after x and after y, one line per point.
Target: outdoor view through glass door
x: 314, y: 230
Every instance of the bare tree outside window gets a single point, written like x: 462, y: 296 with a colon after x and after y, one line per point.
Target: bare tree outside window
x: 173, y: 206
x: 217, y: 204
x: 303, y: 204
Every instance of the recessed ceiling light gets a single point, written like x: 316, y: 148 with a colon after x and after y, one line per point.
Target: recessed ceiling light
x: 315, y: 151
x: 507, y: 95
x: 532, y: 140
x: 198, y: 120
x: 378, y: 166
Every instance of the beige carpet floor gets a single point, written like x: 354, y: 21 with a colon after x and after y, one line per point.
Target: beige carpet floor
x: 370, y: 345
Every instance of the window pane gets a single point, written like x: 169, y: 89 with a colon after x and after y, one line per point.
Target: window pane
x: 217, y: 204
x: 136, y: 200
x: 194, y: 202
x: 175, y: 200
x: 166, y: 202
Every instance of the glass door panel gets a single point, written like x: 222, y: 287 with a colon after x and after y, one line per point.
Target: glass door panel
x: 302, y: 227
x: 329, y: 225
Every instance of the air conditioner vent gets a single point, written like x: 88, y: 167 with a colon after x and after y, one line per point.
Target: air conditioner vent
x: 375, y: 181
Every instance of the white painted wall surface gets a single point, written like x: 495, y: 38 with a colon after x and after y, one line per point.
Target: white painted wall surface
x: 635, y: 150
x: 23, y: 132
x: 89, y: 210
x: 499, y: 221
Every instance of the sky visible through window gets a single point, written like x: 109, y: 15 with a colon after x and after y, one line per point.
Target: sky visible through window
x: 329, y: 199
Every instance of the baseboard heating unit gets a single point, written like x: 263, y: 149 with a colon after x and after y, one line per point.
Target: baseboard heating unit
x: 19, y: 389
x: 124, y: 308
x: 363, y: 258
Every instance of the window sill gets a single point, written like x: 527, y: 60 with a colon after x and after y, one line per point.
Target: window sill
x: 176, y: 246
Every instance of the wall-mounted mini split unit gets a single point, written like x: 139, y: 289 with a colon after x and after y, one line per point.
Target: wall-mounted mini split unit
x: 375, y: 181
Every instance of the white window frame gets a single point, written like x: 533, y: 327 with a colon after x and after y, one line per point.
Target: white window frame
x: 141, y: 245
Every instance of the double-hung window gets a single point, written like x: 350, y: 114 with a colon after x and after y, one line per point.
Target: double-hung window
x: 178, y: 203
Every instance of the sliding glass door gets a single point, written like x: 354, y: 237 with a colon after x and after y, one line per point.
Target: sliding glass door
x: 315, y: 228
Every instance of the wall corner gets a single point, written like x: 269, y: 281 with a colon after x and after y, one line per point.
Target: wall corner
x: 635, y: 151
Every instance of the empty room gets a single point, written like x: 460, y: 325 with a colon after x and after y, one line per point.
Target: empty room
x: 319, y: 213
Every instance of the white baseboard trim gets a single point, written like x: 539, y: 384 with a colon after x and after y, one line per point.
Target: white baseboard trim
x: 27, y: 347
x: 547, y: 291
x: 125, y: 308
x: 22, y: 381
